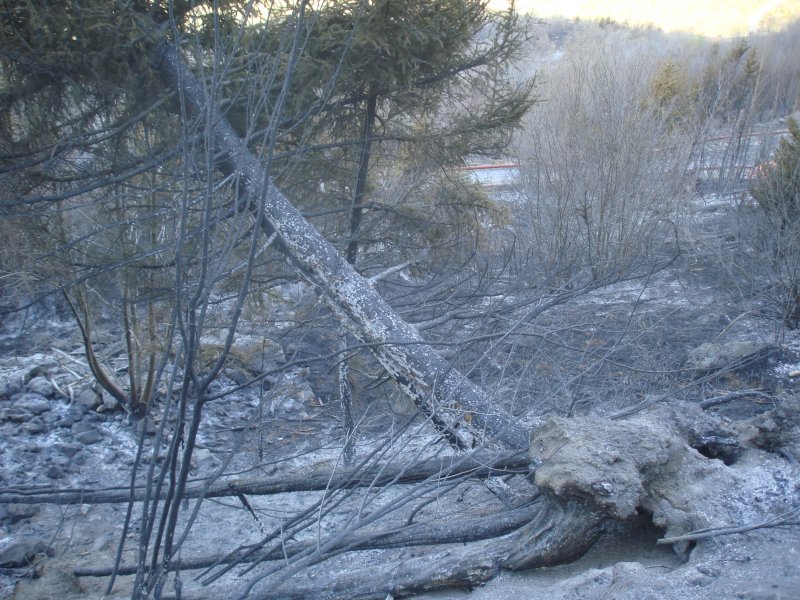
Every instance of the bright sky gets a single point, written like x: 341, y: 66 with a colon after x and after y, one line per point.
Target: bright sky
x: 708, y: 17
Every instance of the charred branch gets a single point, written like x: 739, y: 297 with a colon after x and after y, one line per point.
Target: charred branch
x: 478, y: 465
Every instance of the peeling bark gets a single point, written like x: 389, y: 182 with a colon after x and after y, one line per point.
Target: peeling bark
x: 458, y: 408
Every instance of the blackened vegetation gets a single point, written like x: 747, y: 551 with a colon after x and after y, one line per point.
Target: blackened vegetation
x: 527, y: 505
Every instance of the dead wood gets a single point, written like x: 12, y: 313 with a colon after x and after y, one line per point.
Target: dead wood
x: 731, y: 396
x: 557, y: 533
x: 478, y: 465
x: 462, y: 413
x: 460, y: 568
x: 563, y: 531
x: 790, y: 518
x: 84, y: 322
x: 460, y: 531
x: 590, y: 470
x: 654, y: 463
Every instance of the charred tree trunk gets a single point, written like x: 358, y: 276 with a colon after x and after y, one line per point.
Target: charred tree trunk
x: 346, y: 400
x: 360, y: 188
x: 457, y: 407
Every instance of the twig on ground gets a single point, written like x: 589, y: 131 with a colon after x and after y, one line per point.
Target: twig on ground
x: 717, y: 400
x: 788, y: 518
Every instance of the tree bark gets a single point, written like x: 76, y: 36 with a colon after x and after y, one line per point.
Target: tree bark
x: 346, y: 400
x: 459, y: 409
x: 360, y: 188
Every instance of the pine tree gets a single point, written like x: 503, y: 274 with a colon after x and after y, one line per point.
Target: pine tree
x: 777, y: 188
x: 777, y: 191
x: 420, y: 84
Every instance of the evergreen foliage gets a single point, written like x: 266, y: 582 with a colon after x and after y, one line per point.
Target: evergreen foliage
x: 672, y: 94
x: 110, y: 195
x: 102, y: 185
x: 378, y: 83
x: 777, y: 191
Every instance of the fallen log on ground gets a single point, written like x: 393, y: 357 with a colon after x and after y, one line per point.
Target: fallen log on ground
x: 557, y: 533
x: 420, y: 534
x: 592, y: 472
x: 478, y: 465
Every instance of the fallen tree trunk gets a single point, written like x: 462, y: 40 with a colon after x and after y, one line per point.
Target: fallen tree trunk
x: 457, y: 407
x: 421, y: 534
x: 478, y: 465
x: 557, y: 533
x: 592, y: 471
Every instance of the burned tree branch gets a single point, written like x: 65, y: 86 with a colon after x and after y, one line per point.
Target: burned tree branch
x: 479, y: 465
x: 791, y: 517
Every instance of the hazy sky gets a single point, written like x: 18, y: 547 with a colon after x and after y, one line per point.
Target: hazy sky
x: 707, y: 17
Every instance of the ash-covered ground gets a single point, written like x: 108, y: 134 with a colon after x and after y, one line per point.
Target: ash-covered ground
x: 60, y: 433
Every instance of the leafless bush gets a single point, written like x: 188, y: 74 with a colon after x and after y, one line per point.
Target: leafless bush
x: 779, y: 83
x: 602, y: 173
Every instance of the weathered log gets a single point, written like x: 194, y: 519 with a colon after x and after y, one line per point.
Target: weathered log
x: 422, y: 534
x: 592, y: 471
x: 560, y: 532
x: 557, y: 533
x: 460, y: 568
x: 460, y: 410
x: 478, y: 465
